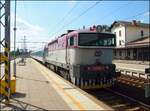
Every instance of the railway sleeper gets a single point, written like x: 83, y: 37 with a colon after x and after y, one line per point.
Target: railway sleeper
x: 134, y: 77
x: 132, y: 83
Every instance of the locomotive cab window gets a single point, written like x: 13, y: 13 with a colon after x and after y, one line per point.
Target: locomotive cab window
x: 96, y: 39
x: 71, y: 41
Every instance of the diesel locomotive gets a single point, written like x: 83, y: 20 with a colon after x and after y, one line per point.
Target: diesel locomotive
x: 83, y: 57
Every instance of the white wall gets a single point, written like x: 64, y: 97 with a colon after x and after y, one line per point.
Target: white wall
x: 118, y: 38
x: 134, y: 33
x: 130, y: 32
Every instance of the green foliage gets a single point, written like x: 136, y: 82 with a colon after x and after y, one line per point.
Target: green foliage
x: 16, y: 53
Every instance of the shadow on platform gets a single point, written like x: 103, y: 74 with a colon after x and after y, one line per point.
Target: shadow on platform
x: 19, y: 105
x: 18, y: 95
x: 19, y: 77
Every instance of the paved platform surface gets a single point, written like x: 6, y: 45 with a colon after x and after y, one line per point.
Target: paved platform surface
x: 132, y: 62
x: 38, y: 88
x: 138, y: 67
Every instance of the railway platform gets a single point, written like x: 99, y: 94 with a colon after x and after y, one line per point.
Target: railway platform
x: 132, y: 66
x: 38, y: 88
x: 133, y: 74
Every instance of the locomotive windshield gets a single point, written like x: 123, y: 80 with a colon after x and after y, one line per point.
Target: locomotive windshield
x: 96, y: 39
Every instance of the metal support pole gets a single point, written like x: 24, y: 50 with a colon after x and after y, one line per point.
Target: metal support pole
x: 7, y: 51
x: 15, y: 40
x: 147, y: 85
x: 0, y: 47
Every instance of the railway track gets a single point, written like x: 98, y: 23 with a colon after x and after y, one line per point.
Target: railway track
x: 117, y: 100
x: 133, y: 81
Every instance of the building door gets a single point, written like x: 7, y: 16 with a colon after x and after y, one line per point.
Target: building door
x: 135, y: 54
x: 146, y: 54
x: 140, y: 54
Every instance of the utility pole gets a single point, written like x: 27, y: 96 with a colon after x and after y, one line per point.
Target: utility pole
x: 5, y: 5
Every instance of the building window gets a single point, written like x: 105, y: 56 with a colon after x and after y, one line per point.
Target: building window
x: 128, y: 52
x: 119, y: 42
x: 142, y: 33
x: 114, y: 52
x: 119, y: 33
x: 120, y: 53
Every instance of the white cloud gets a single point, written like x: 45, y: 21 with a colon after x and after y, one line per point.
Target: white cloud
x: 147, y: 14
x: 33, y: 33
x: 142, y: 20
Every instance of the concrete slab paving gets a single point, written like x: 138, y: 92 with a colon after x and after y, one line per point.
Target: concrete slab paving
x: 38, y: 88
x: 138, y: 67
x: 34, y: 92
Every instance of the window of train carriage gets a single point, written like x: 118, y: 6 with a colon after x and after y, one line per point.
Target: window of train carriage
x: 71, y: 41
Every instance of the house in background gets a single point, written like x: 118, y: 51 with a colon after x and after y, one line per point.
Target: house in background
x: 132, y: 40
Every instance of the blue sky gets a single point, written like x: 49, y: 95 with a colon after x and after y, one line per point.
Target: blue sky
x: 40, y: 20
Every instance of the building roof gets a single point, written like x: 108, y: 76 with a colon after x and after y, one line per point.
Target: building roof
x: 127, y: 23
x: 145, y: 41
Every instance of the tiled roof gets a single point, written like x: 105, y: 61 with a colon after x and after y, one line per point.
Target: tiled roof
x: 145, y: 41
x: 126, y: 23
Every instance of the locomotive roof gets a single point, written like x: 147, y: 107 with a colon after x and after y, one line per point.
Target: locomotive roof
x: 86, y: 31
x: 76, y: 32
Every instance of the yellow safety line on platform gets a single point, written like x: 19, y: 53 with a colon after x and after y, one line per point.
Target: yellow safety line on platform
x: 45, y: 73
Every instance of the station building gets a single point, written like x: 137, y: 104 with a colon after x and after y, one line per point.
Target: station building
x: 132, y: 40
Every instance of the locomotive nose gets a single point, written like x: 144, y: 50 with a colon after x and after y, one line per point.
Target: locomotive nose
x: 97, y: 61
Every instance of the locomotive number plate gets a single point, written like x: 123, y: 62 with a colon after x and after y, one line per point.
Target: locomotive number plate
x: 98, y: 53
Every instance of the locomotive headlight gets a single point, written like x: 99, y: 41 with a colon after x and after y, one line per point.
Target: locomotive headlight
x: 89, y: 68
x: 107, y: 68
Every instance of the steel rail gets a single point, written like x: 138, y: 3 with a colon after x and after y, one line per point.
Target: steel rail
x: 145, y: 106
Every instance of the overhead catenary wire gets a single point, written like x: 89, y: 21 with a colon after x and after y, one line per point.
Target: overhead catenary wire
x: 115, y: 10
x: 141, y: 13
x: 66, y: 15
x: 77, y: 17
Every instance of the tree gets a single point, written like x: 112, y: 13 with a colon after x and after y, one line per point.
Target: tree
x: 17, y: 52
